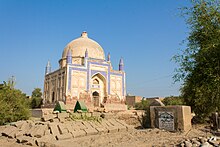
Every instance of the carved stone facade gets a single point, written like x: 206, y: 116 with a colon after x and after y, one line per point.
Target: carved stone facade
x: 86, y: 75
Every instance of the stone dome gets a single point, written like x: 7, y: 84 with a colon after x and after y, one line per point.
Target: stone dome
x: 80, y: 45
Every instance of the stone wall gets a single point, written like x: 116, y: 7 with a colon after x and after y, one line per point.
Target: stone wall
x: 131, y: 100
x: 171, y: 118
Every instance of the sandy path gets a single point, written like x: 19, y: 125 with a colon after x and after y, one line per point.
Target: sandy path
x: 135, y: 138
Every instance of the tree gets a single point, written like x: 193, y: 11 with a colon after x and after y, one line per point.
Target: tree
x: 36, y: 98
x: 199, y: 63
x: 143, y: 105
x: 173, y: 100
x: 13, y: 103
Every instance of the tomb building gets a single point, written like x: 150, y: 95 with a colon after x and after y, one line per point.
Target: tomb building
x: 85, y: 74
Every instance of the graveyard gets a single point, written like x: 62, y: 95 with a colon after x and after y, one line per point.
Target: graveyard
x: 120, y: 90
x: 59, y: 127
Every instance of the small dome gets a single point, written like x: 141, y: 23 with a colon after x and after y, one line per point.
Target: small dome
x: 83, y: 43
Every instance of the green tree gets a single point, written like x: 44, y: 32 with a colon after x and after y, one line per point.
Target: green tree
x: 199, y: 63
x: 36, y: 98
x: 143, y: 105
x: 173, y: 100
x: 13, y: 103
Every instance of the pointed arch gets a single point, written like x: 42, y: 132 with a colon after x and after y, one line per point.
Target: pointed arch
x: 99, y: 88
x: 99, y: 75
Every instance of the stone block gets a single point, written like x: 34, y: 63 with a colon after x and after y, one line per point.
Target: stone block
x: 109, y: 127
x: 87, y: 124
x: 120, y: 126
x: 62, y: 119
x: 19, y: 133
x: 171, y: 118
x: 112, y: 129
x: 2, y: 128
x: 128, y: 127
x: 101, y: 130
x: 13, y: 133
x: 31, y: 131
x: 64, y: 136
x: 48, y: 117
x: 8, y: 131
x: 107, y: 115
x: 36, y: 113
x: 62, y: 129
x: 69, y: 127
x: 23, y: 139
x: 75, y: 126
x: 63, y: 115
x: 78, y: 133
x: 26, y: 126
x: 54, y: 129
x: 18, y: 124
x: 155, y: 102
x: 56, y: 120
x: 43, y: 141
x: 115, y: 107
x: 47, y: 132
x: 93, y: 124
x: 96, y: 114
x: 40, y: 131
x: 80, y: 125
x: 31, y: 142
x: 91, y: 131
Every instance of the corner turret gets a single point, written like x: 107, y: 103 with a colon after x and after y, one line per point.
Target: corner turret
x: 69, y: 57
x: 108, y: 57
x: 121, y: 65
x: 48, y: 68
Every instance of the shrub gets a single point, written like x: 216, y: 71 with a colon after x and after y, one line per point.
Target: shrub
x: 13, y: 103
x: 173, y: 100
x: 36, y: 98
x: 145, y: 119
x: 143, y: 105
x: 36, y: 102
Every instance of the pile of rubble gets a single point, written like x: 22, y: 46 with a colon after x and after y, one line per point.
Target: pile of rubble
x: 201, y: 141
x: 58, y: 127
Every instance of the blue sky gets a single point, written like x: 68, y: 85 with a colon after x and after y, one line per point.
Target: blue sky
x: 146, y: 33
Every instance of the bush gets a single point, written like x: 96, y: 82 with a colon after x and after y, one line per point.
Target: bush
x: 36, y: 102
x: 145, y: 119
x: 36, y: 98
x: 13, y: 103
x: 143, y: 105
x: 173, y: 100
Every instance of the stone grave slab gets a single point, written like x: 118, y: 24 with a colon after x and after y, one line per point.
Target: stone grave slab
x: 171, y: 118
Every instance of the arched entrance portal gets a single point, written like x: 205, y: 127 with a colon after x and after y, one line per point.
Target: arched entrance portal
x: 98, y: 89
x: 95, y: 96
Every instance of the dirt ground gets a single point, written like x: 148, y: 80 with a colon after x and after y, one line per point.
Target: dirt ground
x: 139, y: 138
x: 132, y: 138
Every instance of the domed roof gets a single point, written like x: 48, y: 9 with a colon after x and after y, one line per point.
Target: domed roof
x: 83, y: 43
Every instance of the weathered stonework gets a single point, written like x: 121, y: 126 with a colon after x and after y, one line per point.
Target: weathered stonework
x: 171, y: 118
x: 44, y: 133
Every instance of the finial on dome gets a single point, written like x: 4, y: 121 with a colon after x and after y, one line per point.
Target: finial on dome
x: 84, y: 34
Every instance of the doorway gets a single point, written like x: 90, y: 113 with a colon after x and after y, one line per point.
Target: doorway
x: 95, y: 96
x: 53, y: 97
